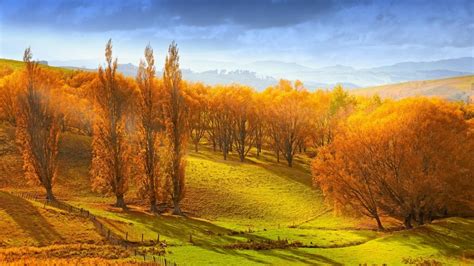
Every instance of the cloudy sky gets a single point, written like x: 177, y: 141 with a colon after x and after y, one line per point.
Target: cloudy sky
x: 313, y: 33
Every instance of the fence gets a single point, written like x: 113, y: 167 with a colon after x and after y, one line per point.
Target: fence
x: 128, y: 240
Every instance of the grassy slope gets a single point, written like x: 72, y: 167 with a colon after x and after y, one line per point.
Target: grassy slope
x: 457, y: 88
x: 26, y: 223
x: 265, y: 197
x: 14, y: 65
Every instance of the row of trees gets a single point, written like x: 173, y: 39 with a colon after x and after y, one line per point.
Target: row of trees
x: 285, y: 118
x: 411, y: 160
x: 126, y: 117
x: 140, y: 126
x: 405, y: 159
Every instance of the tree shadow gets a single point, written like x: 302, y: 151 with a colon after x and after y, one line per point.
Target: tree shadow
x: 450, y: 237
x: 29, y: 219
x: 214, y: 238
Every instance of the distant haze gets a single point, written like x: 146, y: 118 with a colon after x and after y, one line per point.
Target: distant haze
x: 261, y: 74
x: 241, y: 34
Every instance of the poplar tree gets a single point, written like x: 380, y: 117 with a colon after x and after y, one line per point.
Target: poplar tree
x: 175, y: 113
x: 110, y: 143
x: 38, y: 123
x: 149, y: 128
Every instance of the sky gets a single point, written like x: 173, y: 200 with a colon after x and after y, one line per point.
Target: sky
x: 314, y: 33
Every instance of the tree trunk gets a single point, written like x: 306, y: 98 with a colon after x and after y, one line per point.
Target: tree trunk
x: 120, y: 202
x: 196, y: 147
x: 407, y: 222
x: 153, y: 207
x: 421, y: 218
x: 177, y: 209
x: 50, y: 195
x: 379, y: 223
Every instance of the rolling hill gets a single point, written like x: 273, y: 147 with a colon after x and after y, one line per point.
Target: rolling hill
x: 228, y: 204
x: 457, y: 88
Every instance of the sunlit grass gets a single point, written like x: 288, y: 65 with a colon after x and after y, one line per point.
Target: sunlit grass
x: 258, y: 200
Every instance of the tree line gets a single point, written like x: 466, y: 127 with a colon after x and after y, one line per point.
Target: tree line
x: 408, y: 159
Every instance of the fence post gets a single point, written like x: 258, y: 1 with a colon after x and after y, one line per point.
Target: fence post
x: 158, y: 238
x: 142, y: 237
x: 108, y: 234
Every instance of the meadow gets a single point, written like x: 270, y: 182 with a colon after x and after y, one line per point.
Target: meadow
x: 226, y: 203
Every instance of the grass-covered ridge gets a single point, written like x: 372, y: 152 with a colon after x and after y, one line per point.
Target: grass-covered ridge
x: 455, y: 88
x: 15, y: 65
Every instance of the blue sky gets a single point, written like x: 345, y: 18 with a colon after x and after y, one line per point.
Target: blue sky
x: 313, y: 33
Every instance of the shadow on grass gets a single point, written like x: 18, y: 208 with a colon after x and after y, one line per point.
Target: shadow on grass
x: 450, y: 236
x: 29, y: 219
x: 213, y: 238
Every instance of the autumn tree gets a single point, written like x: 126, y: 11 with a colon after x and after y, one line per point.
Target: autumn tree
x: 259, y: 122
x: 287, y: 117
x: 112, y: 97
x: 395, y: 159
x: 197, y: 97
x: 345, y: 177
x: 242, y: 110
x: 76, y: 103
x: 175, y: 114
x: 149, y: 129
x: 38, y: 121
x: 221, y: 119
x: 9, y: 88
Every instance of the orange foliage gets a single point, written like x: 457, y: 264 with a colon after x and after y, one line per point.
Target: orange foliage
x: 411, y: 160
x: 149, y: 129
x: 176, y: 116
x: 38, y: 121
x: 111, y: 149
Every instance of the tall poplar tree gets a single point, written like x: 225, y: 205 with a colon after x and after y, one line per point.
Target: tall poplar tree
x: 110, y: 145
x: 175, y: 113
x: 38, y: 123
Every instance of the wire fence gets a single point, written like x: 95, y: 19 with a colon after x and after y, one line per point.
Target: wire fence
x: 128, y: 240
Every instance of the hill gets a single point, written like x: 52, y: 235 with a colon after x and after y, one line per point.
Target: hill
x: 15, y: 64
x: 227, y: 203
x: 457, y: 88
x: 253, y: 212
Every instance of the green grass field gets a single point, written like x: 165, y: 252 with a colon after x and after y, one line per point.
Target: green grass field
x: 15, y: 64
x: 226, y: 202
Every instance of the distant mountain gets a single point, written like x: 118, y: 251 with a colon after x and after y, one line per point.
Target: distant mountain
x: 462, y: 64
x: 274, y: 68
x: 261, y: 74
x: 401, y: 72
x: 129, y: 69
x: 213, y: 77
x: 228, y: 77
x: 457, y: 88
